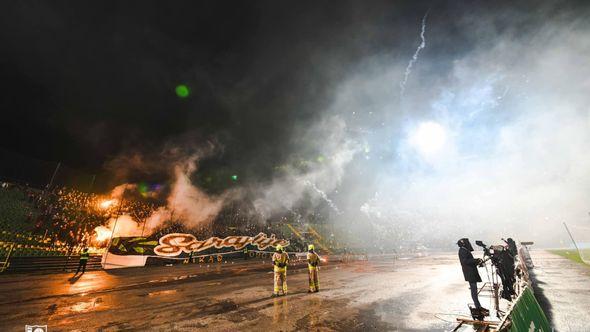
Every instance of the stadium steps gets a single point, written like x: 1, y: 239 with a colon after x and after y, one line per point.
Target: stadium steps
x: 317, y: 238
x: 48, y: 264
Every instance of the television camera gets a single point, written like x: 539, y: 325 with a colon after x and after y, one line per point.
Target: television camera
x: 502, y: 262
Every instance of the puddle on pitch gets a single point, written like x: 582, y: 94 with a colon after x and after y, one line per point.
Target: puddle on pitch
x: 86, y: 306
x: 163, y: 292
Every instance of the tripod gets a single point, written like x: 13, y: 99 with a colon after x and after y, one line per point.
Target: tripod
x: 494, y: 282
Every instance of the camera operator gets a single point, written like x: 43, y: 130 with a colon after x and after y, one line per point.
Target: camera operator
x: 469, y: 266
x: 511, y: 246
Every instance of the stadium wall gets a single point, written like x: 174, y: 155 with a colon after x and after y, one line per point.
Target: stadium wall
x: 525, y: 314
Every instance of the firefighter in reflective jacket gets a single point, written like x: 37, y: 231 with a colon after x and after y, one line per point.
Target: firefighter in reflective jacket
x: 313, y: 262
x: 246, y: 253
x: 280, y: 260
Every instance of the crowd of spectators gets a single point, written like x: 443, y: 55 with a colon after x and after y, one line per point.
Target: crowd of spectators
x: 67, y: 217
x: 63, y: 215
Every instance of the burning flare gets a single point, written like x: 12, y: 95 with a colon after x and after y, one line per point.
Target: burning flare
x: 102, y: 233
x: 107, y: 203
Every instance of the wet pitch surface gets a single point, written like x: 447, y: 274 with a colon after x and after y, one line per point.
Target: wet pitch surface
x: 563, y: 289
x: 418, y: 293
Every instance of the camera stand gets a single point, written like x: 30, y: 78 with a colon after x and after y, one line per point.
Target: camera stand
x: 494, y: 282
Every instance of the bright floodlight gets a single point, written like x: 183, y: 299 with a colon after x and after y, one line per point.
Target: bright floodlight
x: 429, y: 138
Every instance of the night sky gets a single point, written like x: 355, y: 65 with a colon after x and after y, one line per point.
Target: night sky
x: 85, y: 82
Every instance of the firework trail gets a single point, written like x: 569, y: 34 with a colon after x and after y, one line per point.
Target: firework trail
x: 323, y: 195
x: 402, y: 85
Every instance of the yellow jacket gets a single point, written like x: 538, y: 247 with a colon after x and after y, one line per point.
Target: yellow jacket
x: 313, y: 260
x: 280, y: 260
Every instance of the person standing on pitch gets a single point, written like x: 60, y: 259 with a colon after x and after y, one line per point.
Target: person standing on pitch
x: 469, y: 267
x: 313, y: 262
x: 280, y: 260
x: 84, y: 255
x: 246, y: 253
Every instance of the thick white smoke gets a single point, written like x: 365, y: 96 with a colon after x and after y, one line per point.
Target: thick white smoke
x: 186, y: 204
x: 322, y: 175
x: 517, y: 115
x: 514, y: 113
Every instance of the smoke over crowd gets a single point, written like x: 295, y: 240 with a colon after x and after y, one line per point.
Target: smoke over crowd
x: 304, y: 109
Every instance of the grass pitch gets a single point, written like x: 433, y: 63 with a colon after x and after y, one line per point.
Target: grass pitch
x: 570, y: 254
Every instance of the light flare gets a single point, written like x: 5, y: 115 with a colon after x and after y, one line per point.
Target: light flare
x: 102, y: 233
x: 107, y: 203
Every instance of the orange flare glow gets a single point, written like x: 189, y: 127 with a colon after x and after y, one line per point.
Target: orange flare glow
x: 102, y: 233
x: 107, y: 203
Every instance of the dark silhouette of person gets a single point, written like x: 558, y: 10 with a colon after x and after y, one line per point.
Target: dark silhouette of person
x: 469, y: 266
x: 512, y: 247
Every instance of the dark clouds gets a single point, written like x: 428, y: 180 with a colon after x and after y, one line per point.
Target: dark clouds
x: 85, y: 82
